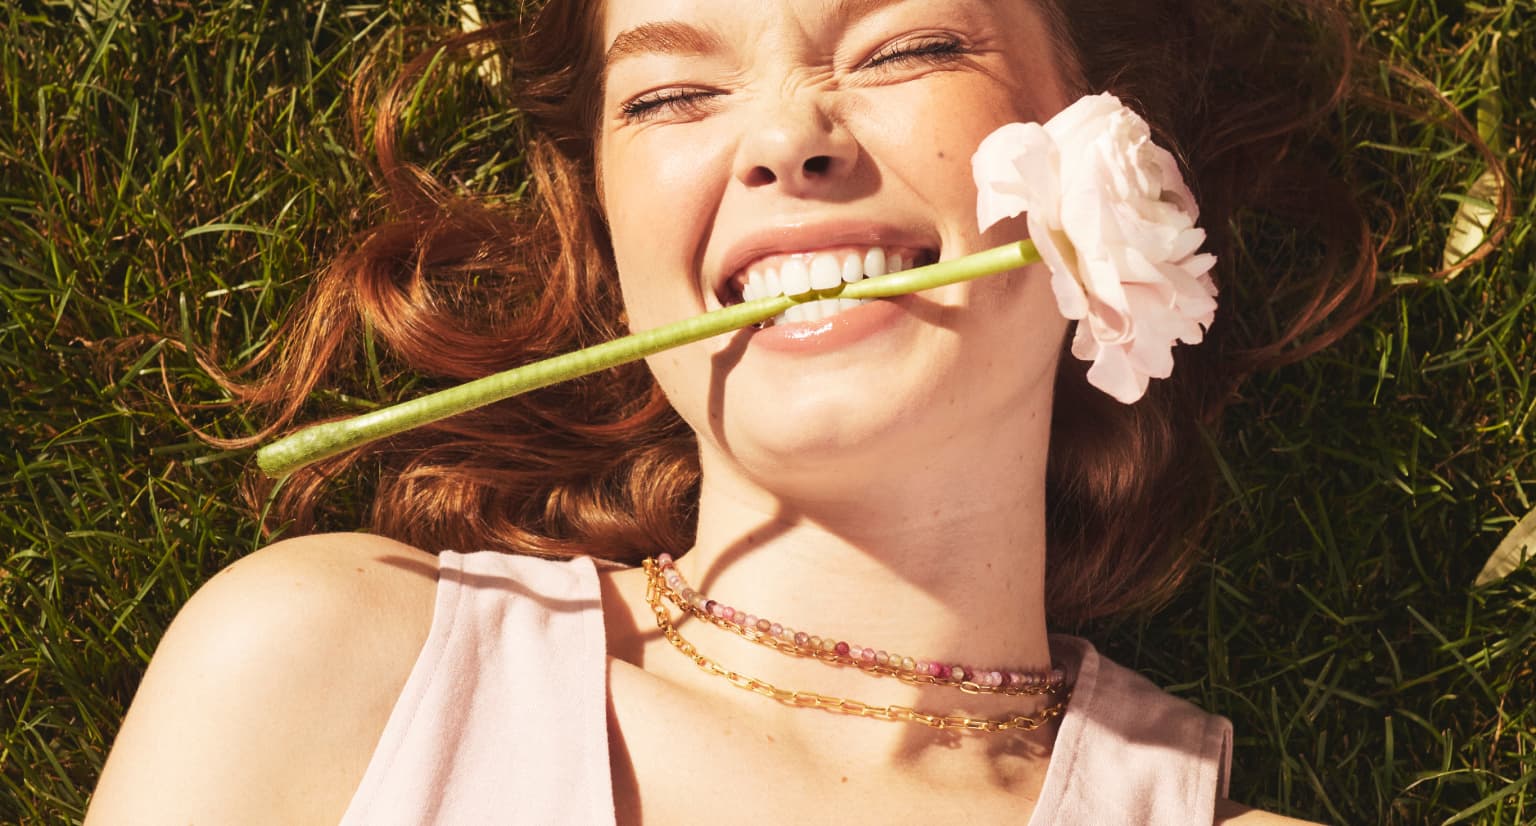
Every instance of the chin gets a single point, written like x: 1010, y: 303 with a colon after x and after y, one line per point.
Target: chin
x: 815, y: 444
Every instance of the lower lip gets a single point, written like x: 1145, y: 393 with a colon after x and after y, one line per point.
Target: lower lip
x: 841, y: 330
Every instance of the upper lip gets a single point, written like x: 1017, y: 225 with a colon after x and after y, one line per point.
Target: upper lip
x: 809, y: 237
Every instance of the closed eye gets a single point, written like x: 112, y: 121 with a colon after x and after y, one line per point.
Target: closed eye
x: 924, y: 49
x: 679, y: 101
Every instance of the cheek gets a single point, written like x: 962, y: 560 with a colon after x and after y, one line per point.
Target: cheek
x: 651, y: 180
x: 659, y: 197
x: 923, y: 135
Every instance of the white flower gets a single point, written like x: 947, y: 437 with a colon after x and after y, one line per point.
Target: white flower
x: 1113, y: 220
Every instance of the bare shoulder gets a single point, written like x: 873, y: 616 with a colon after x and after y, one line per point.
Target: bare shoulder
x: 1236, y: 814
x: 268, y: 693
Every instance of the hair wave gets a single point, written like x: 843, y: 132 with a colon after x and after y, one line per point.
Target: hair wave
x: 453, y: 287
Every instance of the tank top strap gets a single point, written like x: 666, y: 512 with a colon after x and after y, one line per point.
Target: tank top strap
x: 1127, y: 748
x: 503, y: 718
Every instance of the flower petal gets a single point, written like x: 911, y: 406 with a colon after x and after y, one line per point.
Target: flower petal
x: 1002, y: 190
x: 1112, y: 372
x: 1054, y: 247
x: 1114, y: 222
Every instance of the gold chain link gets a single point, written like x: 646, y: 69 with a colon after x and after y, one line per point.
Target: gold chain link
x: 836, y: 705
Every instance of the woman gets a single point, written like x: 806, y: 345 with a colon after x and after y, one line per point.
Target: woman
x: 930, y: 474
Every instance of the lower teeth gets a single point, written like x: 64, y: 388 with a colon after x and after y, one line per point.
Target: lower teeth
x: 815, y: 310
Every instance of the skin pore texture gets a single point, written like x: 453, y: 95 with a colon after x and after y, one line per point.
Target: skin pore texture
x: 878, y: 475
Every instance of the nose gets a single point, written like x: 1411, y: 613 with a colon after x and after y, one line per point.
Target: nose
x: 795, y: 145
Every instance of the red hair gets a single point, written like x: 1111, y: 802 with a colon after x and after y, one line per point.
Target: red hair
x: 452, y: 287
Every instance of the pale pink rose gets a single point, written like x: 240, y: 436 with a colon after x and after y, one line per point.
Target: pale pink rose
x: 1115, y: 223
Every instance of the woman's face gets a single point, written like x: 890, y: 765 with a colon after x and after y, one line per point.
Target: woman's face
x: 771, y: 143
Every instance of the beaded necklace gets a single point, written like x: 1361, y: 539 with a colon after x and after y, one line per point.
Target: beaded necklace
x: 664, y: 582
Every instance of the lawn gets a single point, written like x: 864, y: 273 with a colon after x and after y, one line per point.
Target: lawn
x: 172, y: 173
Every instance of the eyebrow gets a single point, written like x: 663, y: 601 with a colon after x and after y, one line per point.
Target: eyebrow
x: 851, y: 10
x: 675, y: 37
x: 664, y: 37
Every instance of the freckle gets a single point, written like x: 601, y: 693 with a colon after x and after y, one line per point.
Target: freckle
x: 941, y: 154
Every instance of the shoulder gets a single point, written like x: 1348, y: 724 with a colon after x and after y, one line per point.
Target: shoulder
x: 327, y: 578
x: 272, y: 686
x: 1236, y: 814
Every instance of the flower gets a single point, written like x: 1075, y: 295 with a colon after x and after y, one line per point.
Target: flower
x: 1114, y: 221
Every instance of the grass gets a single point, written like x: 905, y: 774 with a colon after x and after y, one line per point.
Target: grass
x: 170, y: 175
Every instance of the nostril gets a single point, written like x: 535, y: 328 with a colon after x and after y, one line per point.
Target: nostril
x: 760, y: 176
x: 813, y: 168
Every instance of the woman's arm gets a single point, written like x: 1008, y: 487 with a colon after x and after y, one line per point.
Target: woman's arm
x: 269, y: 692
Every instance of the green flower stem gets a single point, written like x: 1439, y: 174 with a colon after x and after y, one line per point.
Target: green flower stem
x: 317, y: 442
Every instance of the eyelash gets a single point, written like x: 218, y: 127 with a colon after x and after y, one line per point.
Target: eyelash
x: 690, y: 102
x: 679, y: 101
x: 933, y: 49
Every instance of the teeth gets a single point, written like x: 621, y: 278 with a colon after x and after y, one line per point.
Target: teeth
x: 826, y: 273
x: 874, y: 262
x: 796, y: 277
x: 818, y: 271
x: 817, y: 310
x: 853, y: 269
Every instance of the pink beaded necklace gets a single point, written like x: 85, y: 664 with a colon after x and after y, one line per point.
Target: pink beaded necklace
x: 764, y: 631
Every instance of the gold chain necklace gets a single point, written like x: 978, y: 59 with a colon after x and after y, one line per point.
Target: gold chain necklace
x: 837, y: 705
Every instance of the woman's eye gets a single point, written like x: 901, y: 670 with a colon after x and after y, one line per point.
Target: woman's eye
x: 679, y: 102
x: 932, y: 49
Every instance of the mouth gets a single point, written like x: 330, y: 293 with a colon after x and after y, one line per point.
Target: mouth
x: 800, y: 272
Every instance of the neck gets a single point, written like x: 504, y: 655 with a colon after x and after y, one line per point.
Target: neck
x: 959, y: 579
x: 941, y: 563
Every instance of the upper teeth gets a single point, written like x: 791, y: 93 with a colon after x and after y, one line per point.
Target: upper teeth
x: 802, y: 272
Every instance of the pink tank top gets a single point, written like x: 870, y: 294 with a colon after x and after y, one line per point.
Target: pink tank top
x: 503, y: 719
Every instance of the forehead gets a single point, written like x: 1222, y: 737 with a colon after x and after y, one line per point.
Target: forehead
x: 1028, y: 34
x: 616, y: 16
x: 626, y: 28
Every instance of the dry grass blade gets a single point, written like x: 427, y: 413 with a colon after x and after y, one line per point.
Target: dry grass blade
x: 1518, y: 546
x: 1478, y: 208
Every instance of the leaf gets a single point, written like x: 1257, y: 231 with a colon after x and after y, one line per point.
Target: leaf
x: 488, y: 68
x: 1518, y: 546
x: 1469, y: 227
x: 1475, y: 214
